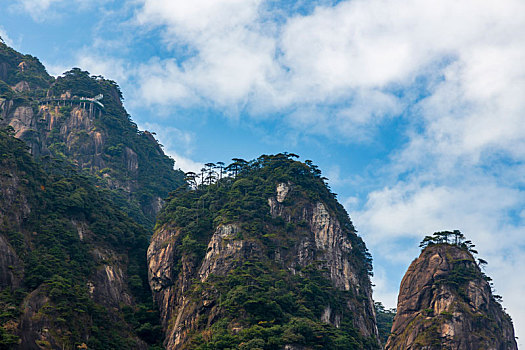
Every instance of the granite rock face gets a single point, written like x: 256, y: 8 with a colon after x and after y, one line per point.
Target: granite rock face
x: 11, y: 268
x: 324, y: 243
x: 77, y: 133
x: 54, y: 117
x: 445, y: 302
x: 22, y: 188
x: 329, y: 244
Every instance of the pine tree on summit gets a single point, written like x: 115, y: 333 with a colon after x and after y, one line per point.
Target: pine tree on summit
x: 442, y: 237
x: 237, y: 166
x: 220, y: 166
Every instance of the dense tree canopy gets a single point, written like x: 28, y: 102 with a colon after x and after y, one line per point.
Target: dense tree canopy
x: 58, y: 262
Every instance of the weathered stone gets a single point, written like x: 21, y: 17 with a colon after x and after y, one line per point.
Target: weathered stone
x: 223, y: 250
x: 21, y: 86
x: 108, y: 285
x: 11, y: 268
x: 3, y: 70
x: 82, y: 229
x: 324, y: 243
x: 77, y: 135
x: 131, y: 159
x: 282, y: 191
x: 328, y: 243
x: 22, y: 121
x: 433, y: 313
x: 34, y: 325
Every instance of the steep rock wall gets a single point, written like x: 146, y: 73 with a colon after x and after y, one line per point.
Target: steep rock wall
x: 329, y: 244
x: 445, y: 303
x: 322, y: 243
x: 11, y: 268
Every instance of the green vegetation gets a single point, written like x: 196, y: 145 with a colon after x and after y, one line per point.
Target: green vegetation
x: 58, y: 264
x: 273, y: 309
x: 9, y: 313
x: 385, y: 319
x: 114, y: 191
x: 23, y: 68
x: 154, y: 177
x: 244, y: 198
x: 448, y: 237
x: 261, y: 304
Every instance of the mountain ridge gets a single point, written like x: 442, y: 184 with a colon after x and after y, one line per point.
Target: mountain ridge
x: 95, y: 221
x: 80, y: 191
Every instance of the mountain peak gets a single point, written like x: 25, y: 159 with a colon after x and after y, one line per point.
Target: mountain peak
x: 445, y: 302
x: 264, y: 258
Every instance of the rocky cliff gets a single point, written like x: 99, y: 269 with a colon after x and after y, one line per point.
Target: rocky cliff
x: 72, y: 265
x: 59, y: 117
x: 263, y: 259
x: 445, y: 302
x: 80, y: 186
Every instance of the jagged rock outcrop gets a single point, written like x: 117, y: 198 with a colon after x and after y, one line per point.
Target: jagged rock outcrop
x: 56, y: 117
x: 34, y: 327
x: 445, y: 302
x: 3, y: 70
x: 76, y: 132
x: 22, y: 86
x: 286, y: 242
x: 108, y: 284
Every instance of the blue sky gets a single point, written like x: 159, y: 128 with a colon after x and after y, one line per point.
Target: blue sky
x: 413, y: 109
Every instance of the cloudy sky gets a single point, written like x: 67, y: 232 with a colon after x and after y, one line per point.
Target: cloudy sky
x: 413, y: 109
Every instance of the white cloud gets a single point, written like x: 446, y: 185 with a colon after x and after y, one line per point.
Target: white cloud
x: 234, y: 57
x: 171, y: 137
x: 462, y: 194
x: 506, y: 272
x: 45, y: 10
x: 177, y: 144
x: 352, y: 55
x: 384, y: 291
x: 37, y: 7
x: 413, y: 209
x: 56, y: 69
x: 453, y: 69
x: 184, y: 163
x: 200, y: 17
x: 155, y: 88
x: 400, y: 215
x: 7, y: 40
x: 111, y: 68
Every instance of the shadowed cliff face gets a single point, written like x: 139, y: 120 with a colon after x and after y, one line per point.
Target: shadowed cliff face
x: 445, y: 302
x: 47, y: 114
x: 11, y: 268
x: 64, y: 264
x: 282, y: 271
